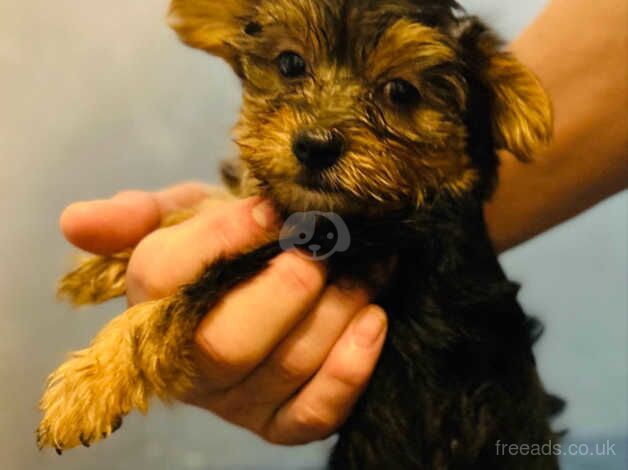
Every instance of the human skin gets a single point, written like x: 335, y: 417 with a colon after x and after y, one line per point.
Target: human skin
x: 578, y: 49
x: 290, y: 367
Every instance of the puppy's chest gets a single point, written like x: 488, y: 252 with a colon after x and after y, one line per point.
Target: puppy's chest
x: 375, y: 275
x: 372, y: 252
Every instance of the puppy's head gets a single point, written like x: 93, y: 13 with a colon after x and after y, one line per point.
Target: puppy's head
x: 367, y: 106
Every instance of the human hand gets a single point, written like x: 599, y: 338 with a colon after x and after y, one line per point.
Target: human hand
x: 282, y: 355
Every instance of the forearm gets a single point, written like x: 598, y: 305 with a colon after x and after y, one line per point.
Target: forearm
x: 578, y: 50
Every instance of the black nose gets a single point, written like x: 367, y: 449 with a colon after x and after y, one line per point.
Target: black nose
x: 318, y: 149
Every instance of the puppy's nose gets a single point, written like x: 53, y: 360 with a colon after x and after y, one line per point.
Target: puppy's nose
x: 318, y: 149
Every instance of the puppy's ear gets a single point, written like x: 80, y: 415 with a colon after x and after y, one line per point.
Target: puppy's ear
x: 520, y: 109
x: 211, y: 25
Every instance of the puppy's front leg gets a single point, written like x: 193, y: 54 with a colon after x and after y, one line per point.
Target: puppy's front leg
x: 146, y: 351
x: 97, y: 279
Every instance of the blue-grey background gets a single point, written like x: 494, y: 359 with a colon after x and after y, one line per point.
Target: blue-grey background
x: 98, y: 96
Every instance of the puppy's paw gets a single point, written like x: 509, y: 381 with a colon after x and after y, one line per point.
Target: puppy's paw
x: 96, y: 279
x: 84, y: 402
x: 61, y: 441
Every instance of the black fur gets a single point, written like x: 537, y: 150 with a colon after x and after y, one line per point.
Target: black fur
x: 457, y: 371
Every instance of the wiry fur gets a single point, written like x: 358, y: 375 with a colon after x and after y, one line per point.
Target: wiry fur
x: 88, y: 396
x: 95, y: 280
x: 457, y: 371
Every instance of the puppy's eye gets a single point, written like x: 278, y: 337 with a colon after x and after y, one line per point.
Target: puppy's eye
x: 291, y: 64
x: 401, y: 93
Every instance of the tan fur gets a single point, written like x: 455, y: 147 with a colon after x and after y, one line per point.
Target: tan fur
x: 133, y: 358
x: 433, y: 151
x: 97, y: 279
x: 393, y: 158
x: 210, y: 25
x: 137, y: 355
x: 238, y: 179
x: 406, y: 49
x: 522, y: 111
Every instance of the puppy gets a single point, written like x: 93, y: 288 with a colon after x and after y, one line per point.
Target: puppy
x: 387, y: 115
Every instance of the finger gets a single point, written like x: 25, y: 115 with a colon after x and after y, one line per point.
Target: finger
x: 294, y: 360
x: 325, y: 402
x: 185, y: 195
x: 253, y: 318
x: 173, y: 256
x: 111, y: 225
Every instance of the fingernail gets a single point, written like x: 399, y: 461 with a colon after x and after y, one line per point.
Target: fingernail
x: 369, y: 326
x: 263, y: 214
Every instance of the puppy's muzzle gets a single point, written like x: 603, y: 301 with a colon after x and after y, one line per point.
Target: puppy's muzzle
x: 317, y: 149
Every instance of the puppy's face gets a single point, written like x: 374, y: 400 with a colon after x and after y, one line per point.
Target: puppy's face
x: 364, y: 106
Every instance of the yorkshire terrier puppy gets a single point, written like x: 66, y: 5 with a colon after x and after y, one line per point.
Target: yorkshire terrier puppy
x: 387, y: 114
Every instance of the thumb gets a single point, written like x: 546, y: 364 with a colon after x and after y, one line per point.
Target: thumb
x: 110, y: 225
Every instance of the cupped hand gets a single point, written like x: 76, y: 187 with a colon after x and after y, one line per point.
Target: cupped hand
x: 284, y: 354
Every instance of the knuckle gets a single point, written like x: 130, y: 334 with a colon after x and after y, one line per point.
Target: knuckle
x: 145, y: 273
x: 298, y: 274
x: 275, y: 438
x: 233, y: 407
x: 222, y: 227
x: 291, y: 367
x: 222, y: 356
x: 275, y: 435
x: 313, y: 423
x: 352, y: 377
x: 281, y: 437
